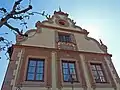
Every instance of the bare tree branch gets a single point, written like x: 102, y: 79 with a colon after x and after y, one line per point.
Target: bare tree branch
x: 25, y: 10
x: 5, y: 46
x: 4, y: 20
x: 13, y: 14
x: 15, y: 5
x: 3, y: 9
x: 13, y: 28
x: 43, y: 14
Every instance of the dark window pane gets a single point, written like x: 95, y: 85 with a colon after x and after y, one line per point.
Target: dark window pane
x: 95, y: 73
x: 39, y: 70
x: 74, y: 77
x: 30, y: 76
x: 71, y: 65
x: 66, y: 77
x: 69, y: 71
x: 97, y: 79
x: 102, y: 79
x: 32, y: 63
x: 39, y: 76
x: 35, y: 69
x: 93, y: 67
x: 65, y: 65
x: 98, y: 67
x: 31, y: 69
x: 100, y: 73
x: 68, y: 39
x: 72, y: 71
x: 61, y: 38
x: 64, y: 38
x: 40, y: 63
x: 65, y: 71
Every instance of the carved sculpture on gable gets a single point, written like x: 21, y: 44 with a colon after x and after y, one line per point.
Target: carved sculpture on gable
x: 103, y: 46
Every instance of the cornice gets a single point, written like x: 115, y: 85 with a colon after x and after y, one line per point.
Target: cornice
x: 55, y: 49
x: 62, y: 29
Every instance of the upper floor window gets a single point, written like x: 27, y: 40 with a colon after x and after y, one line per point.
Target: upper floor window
x: 64, y: 37
x: 69, y: 71
x: 35, y: 70
x: 98, y: 73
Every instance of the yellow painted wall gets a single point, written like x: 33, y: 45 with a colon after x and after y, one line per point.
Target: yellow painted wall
x: 86, y: 45
x: 44, y: 39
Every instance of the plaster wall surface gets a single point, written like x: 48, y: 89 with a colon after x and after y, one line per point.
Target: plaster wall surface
x: 85, y: 44
x: 46, y: 38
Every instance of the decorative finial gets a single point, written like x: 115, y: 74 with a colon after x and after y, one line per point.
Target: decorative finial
x: 59, y: 9
x: 101, y: 42
x: 103, y: 46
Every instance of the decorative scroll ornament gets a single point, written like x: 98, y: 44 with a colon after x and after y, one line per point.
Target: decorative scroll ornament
x: 62, y: 22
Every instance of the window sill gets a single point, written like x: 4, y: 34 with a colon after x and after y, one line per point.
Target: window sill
x: 103, y: 85
x: 66, y: 42
x: 35, y: 80
x: 69, y: 84
x: 33, y: 84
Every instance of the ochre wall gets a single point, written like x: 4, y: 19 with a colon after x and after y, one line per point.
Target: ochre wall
x: 45, y: 38
x: 85, y: 44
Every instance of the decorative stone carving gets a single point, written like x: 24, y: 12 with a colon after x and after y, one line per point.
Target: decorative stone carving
x: 62, y: 22
x: 66, y: 46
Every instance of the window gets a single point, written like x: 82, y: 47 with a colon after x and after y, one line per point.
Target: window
x: 97, y: 72
x: 69, y: 73
x: 35, y: 70
x: 64, y: 37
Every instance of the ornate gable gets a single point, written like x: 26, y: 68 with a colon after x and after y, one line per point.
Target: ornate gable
x: 47, y: 32
x: 61, y: 19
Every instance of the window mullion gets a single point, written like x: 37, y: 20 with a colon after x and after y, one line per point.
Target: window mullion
x: 35, y: 71
x: 64, y: 38
x: 61, y: 38
x: 43, y: 70
x: 69, y: 71
x: 98, y: 73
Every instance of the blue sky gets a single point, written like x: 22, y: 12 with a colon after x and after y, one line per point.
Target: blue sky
x: 100, y: 17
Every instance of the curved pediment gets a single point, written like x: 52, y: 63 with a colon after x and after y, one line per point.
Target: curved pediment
x: 30, y: 34
x: 61, y: 19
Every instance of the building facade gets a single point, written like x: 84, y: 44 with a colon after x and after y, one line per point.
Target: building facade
x: 58, y: 55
